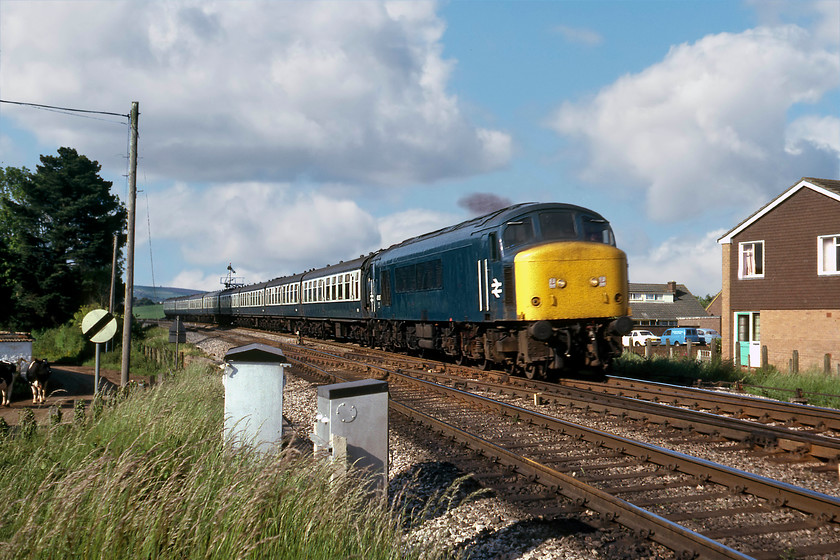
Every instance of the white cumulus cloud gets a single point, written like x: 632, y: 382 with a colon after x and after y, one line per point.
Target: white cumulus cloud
x: 688, y: 259
x: 708, y: 124
x: 265, y: 230
x: 249, y: 90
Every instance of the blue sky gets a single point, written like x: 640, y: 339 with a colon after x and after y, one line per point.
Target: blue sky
x: 281, y: 136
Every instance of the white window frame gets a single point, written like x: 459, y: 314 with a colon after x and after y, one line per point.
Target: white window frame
x: 742, y: 250
x: 822, y: 265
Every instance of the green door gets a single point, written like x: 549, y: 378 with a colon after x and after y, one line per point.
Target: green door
x: 748, y: 338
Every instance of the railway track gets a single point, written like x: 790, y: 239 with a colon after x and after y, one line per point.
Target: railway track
x: 779, y: 430
x: 695, y: 507
x: 766, y: 411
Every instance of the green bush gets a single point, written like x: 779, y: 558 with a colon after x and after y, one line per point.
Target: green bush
x: 64, y: 343
x: 674, y: 370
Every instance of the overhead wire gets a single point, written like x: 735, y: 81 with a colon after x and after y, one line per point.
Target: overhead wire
x: 66, y: 110
x: 151, y: 256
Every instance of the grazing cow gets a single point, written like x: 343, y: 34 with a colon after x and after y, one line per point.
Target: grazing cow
x: 8, y: 374
x: 37, y: 374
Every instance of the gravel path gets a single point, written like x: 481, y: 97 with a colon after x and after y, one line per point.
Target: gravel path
x: 481, y: 526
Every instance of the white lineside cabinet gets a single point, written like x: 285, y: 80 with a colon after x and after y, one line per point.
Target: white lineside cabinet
x: 355, y: 413
x: 254, y: 378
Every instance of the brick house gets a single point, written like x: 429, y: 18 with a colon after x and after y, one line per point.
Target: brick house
x: 658, y: 307
x: 781, y: 279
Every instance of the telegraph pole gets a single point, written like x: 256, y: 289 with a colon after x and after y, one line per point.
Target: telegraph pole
x: 129, y: 258
x: 112, y: 299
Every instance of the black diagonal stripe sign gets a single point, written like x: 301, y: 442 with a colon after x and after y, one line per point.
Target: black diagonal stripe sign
x: 99, y: 326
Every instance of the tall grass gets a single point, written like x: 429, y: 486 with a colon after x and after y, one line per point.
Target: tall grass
x: 818, y: 388
x: 151, y: 479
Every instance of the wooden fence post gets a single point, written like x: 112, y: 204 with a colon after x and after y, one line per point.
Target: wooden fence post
x: 827, y: 364
x: 794, y: 362
x: 764, y: 359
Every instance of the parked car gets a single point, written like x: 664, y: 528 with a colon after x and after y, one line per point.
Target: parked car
x: 680, y: 335
x: 639, y: 338
x: 708, y: 335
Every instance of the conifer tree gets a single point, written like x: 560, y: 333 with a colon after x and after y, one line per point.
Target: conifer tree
x: 59, y: 224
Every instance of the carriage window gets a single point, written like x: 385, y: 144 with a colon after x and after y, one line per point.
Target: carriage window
x: 518, y: 233
x: 557, y: 225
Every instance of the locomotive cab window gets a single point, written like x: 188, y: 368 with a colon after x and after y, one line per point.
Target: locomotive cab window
x: 518, y: 233
x: 598, y: 230
x: 557, y: 225
x: 493, y: 242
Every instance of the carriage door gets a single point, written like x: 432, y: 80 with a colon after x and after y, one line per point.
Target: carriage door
x: 748, y: 339
x: 372, y: 292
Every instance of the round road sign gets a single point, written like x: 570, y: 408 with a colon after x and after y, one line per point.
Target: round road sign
x: 99, y: 326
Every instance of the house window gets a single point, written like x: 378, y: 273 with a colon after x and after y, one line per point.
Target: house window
x: 751, y: 261
x: 828, y: 254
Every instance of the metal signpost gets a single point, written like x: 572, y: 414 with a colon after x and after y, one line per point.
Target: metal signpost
x: 98, y: 326
x: 177, y: 334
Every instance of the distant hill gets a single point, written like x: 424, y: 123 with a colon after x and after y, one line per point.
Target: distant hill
x: 160, y: 293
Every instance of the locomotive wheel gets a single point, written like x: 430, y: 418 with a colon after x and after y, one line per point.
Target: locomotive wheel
x: 485, y: 365
x: 535, y: 371
x: 460, y: 359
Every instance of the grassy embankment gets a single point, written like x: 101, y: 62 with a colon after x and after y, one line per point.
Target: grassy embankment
x: 152, y: 312
x: 150, y: 478
x: 819, y: 389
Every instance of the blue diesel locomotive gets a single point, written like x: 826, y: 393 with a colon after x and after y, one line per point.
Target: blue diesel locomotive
x: 535, y: 288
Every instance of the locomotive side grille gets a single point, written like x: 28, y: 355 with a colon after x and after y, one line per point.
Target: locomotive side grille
x: 510, y: 289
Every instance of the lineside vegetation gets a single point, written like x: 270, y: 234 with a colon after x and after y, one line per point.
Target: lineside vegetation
x: 148, y: 477
x: 819, y: 389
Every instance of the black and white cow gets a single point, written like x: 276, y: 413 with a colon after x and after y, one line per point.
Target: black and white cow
x: 37, y: 375
x: 8, y: 374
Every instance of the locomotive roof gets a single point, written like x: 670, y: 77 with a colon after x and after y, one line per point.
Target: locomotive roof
x: 463, y: 229
x: 492, y: 219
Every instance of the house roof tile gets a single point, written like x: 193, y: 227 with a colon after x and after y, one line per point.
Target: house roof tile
x: 829, y: 187
x: 685, y: 304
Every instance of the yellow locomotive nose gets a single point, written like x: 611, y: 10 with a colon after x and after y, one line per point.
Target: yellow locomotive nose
x: 570, y: 280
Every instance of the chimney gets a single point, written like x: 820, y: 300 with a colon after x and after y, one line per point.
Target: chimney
x: 672, y: 287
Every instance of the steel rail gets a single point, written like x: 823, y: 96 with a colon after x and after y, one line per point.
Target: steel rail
x: 764, y: 410
x: 737, y: 429
x: 687, y: 543
x: 774, y: 491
